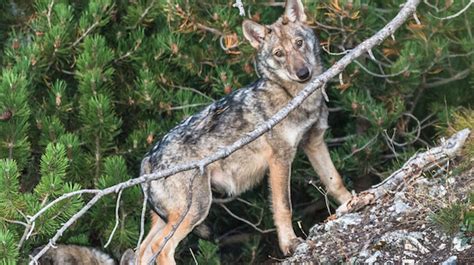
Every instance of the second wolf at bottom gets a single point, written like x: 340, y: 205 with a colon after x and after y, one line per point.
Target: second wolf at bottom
x: 288, y: 59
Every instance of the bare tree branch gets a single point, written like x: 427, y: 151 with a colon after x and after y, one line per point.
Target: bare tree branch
x: 414, y: 167
x: 407, y: 10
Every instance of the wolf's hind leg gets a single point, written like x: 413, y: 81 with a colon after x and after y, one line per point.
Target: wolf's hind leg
x: 157, y: 225
x: 165, y: 243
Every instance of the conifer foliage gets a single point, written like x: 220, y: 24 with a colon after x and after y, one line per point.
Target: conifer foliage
x: 88, y: 86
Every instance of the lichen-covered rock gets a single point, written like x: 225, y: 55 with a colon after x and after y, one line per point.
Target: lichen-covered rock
x: 396, y: 229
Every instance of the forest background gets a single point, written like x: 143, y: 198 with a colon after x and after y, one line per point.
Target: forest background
x: 88, y: 86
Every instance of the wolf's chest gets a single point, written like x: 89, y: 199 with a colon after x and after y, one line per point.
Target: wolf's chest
x: 299, y: 122
x: 293, y: 131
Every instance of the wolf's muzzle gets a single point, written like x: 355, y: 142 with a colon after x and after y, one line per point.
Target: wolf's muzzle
x: 303, y: 74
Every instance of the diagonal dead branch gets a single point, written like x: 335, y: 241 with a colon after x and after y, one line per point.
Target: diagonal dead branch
x: 406, y: 12
x: 414, y: 167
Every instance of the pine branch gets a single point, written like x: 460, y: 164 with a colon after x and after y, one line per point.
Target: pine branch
x: 144, y: 14
x: 86, y: 33
x: 407, y: 10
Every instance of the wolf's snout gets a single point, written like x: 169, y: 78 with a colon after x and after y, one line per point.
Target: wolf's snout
x: 303, y: 74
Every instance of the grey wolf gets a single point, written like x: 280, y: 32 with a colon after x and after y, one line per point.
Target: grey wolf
x: 288, y: 57
x: 74, y: 255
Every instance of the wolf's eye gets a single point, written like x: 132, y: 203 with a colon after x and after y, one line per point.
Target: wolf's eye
x: 299, y: 43
x: 278, y: 53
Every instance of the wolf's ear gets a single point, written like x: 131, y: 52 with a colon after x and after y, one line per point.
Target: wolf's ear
x: 294, y: 11
x: 253, y: 32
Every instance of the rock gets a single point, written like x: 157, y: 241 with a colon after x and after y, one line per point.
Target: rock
x: 302, y: 248
x: 396, y: 229
x: 373, y: 258
x: 399, y: 205
x: 410, y: 247
x: 460, y: 244
x: 453, y: 260
x: 344, y: 221
x: 438, y: 191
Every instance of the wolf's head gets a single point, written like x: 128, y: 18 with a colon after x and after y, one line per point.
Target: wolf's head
x: 288, y: 50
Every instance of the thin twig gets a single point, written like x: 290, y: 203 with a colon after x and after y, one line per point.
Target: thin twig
x: 406, y: 11
x: 14, y: 221
x: 188, y: 106
x: 138, y: 43
x: 324, y: 193
x: 457, y: 14
x: 194, y: 90
x: 145, y: 12
x: 380, y: 75
x: 50, y: 9
x: 338, y: 140
x: 92, y: 27
x: 361, y: 148
x: 206, y: 28
x: 142, y: 220
x: 246, y: 221
x: 458, y: 76
x: 194, y: 257
x: 117, y: 218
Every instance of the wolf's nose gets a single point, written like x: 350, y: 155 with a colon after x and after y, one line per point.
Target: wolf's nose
x: 303, y: 74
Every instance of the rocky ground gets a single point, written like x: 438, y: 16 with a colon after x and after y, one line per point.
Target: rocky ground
x: 398, y: 228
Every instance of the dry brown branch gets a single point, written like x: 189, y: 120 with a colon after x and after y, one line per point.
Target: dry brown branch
x: 407, y: 10
x: 413, y: 168
x: 206, y: 28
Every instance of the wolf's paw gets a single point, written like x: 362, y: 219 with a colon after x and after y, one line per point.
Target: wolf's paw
x: 356, y: 203
x: 292, y: 245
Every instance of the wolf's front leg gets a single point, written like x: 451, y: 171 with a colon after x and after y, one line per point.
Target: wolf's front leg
x: 318, y: 154
x: 281, y: 203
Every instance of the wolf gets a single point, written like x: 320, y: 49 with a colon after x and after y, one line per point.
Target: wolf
x: 73, y: 255
x: 288, y: 58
